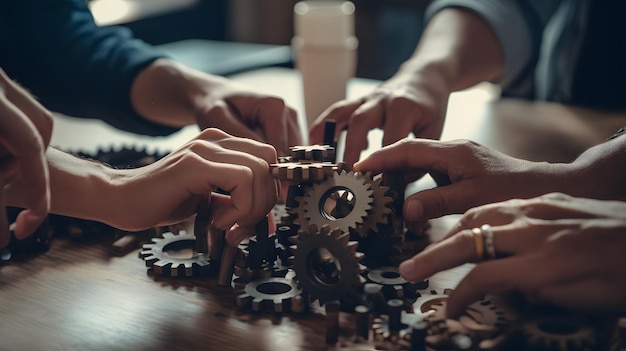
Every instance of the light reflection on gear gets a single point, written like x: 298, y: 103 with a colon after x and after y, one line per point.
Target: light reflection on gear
x: 271, y: 294
x: 302, y: 171
x: 326, y: 263
x: 380, y: 208
x: 158, y: 257
x: 350, y: 189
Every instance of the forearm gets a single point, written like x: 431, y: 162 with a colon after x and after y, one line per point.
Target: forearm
x: 601, y: 170
x: 171, y: 94
x: 78, y: 188
x: 456, y: 46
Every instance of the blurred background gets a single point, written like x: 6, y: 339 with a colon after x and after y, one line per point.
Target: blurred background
x: 230, y: 36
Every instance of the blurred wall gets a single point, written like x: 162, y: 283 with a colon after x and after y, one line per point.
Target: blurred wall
x: 388, y: 30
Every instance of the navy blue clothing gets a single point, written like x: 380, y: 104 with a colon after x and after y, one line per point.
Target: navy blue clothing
x: 55, y: 50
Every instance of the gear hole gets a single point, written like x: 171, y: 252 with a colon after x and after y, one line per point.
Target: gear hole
x: 273, y: 288
x: 557, y: 326
x: 324, y: 267
x: 337, y: 203
x: 390, y: 275
x: 427, y: 306
x: 183, y: 249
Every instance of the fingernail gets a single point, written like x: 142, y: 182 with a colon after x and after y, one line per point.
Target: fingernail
x: 406, y: 269
x: 356, y: 165
x: 413, y: 210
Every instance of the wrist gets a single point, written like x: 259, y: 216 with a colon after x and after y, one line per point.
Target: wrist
x: 165, y: 93
x: 78, y: 187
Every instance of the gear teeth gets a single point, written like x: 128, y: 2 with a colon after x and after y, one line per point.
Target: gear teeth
x: 156, y: 257
x: 313, y: 153
x: 311, y: 209
x: 381, y: 207
x: 314, y: 277
x: 299, y: 172
x: 273, y: 294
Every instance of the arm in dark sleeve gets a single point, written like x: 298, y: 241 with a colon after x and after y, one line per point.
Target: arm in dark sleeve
x: 78, y: 68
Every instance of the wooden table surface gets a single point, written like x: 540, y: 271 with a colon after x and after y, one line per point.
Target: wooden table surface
x: 78, y: 296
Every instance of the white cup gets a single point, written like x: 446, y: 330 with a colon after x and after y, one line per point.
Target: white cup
x: 324, y: 49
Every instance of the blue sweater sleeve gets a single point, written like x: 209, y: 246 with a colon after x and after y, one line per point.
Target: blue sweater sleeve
x: 77, y: 67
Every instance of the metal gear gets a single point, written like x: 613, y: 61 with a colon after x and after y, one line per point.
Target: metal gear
x: 380, y: 209
x: 402, y: 338
x: 302, y: 171
x: 482, y: 324
x: 271, y: 294
x: 124, y: 157
x: 161, y: 262
x: 326, y: 263
x: 393, y: 285
x: 384, y: 248
x: 313, y: 208
x: 318, y: 153
x: 559, y: 332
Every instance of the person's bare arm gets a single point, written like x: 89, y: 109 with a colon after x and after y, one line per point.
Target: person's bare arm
x: 169, y: 190
x: 458, y: 49
x: 172, y: 94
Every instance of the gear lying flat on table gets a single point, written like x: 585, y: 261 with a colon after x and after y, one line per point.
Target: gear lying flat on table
x: 271, y: 294
x: 161, y: 262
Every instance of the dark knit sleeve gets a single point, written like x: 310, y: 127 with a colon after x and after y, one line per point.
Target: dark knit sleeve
x: 77, y: 67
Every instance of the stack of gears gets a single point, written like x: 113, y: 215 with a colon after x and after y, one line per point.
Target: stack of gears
x: 337, y: 246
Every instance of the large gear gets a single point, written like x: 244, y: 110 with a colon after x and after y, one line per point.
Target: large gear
x: 271, y: 294
x: 161, y: 262
x: 380, y: 209
x: 313, y: 208
x: 326, y: 263
x: 559, y: 332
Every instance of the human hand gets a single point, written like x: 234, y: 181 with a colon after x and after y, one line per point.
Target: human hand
x: 242, y: 112
x: 478, y: 175
x: 555, y: 248
x: 172, y: 94
x: 400, y: 106
x: 25, y: 130
x: 169, y: 190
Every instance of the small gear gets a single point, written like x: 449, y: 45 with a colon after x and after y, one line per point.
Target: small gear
x: 161, y: 262
x: 326, y: 263
x: 393, y: 285
x: 313, y: 153
x: 402, y: 337
x: 302, y: 171
x: 271, y: 294
x: 319, y: 201
x: 429, y: 298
